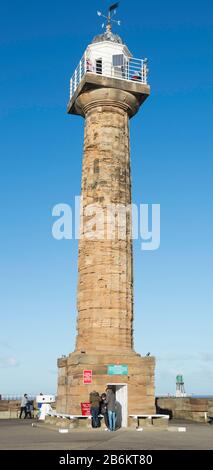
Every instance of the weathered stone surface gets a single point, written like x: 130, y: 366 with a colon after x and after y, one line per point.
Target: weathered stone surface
x: 105, y: 273
x: 140, y: 383
x: 195, y: 409
x: 105, y: 298
x: 95, y: 82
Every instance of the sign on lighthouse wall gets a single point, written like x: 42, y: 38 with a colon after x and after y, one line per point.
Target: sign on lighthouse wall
x: 87, y: 376
x: 117, y: 369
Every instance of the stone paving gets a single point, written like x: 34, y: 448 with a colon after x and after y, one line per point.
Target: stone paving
x: 16, y: 434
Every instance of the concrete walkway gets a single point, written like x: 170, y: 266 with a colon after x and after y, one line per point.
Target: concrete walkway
x: 20, y: 434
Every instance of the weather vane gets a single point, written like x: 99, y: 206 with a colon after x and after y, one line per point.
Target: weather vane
x: 109, y: 17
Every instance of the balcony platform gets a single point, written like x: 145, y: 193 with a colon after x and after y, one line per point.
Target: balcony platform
x: 91, y: 81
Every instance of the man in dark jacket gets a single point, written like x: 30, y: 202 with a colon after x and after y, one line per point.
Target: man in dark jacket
x: 110, y: 401
x: 104, y: 410
x: 94, y: 399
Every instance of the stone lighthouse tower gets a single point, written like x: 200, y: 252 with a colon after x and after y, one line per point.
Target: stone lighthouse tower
x: 107, y: 89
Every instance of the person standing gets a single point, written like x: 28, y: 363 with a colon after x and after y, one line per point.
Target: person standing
x: 29, y: 409
x: 94, y: 399
x: 24, y: 406
x: 110, y: 401
x: 104, y: 410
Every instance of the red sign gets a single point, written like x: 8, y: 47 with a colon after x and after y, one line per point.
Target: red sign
x: 85, y: 409
x: 87, y: 376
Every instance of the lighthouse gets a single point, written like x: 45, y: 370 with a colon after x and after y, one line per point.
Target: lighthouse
x: 107, y: 89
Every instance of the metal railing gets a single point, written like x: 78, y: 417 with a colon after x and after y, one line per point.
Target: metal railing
x: 131, y: 70
x: 15, y: 397
x: 18, y: 397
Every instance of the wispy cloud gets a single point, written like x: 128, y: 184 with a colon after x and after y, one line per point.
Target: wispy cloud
x: 206, y: 357
x: 5, y: 344
x: 201, y: 356
x: 6, y: 362
x: 176, y: 357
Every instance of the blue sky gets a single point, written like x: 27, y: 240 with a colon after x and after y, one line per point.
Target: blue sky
x: 41, y: 152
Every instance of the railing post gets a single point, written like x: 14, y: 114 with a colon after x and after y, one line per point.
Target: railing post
x: 145, y: 72
x: 85, y: 63
x: 75, y: 79
x: 80, y: 71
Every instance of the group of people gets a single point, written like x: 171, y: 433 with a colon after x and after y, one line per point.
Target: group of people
x: 104, y: 404
x: 26, y: 407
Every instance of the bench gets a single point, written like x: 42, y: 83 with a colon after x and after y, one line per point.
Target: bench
x: 143, y: 420
x: 65, y: 420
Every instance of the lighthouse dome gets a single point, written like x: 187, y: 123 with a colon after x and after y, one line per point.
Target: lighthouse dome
x: 108, y: 36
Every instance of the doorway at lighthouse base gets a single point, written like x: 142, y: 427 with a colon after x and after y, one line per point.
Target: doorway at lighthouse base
x: 121, y: 400
x: 131, y: 375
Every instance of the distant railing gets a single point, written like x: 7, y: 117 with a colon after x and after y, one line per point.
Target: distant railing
x: 15, y: 397
x: 134, y: 70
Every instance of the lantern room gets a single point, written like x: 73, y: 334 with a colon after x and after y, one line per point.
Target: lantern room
x: 108, y: 56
